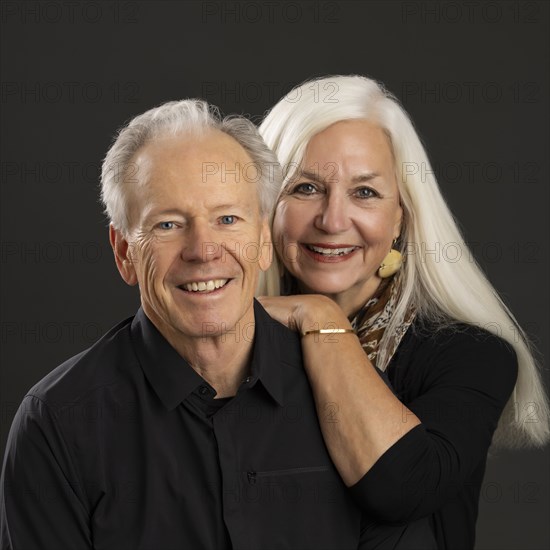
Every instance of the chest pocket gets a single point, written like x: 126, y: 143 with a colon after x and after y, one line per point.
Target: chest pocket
x: 306, y: 505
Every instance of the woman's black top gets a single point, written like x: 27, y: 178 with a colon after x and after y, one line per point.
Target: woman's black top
x: 456, y: 380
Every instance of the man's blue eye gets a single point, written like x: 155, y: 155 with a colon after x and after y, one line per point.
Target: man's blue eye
x: 227, y: 220
x: 166, y: 225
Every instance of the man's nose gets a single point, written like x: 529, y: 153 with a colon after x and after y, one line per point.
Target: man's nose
x: 201, y: 244
x: 333, y: 216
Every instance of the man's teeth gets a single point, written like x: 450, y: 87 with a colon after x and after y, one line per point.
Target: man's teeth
x: 331, y: 251
x: 205, y: 286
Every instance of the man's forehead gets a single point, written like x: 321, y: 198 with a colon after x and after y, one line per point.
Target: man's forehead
x: 188, y: 172
x: 193, y: 149
x: 207, y: 158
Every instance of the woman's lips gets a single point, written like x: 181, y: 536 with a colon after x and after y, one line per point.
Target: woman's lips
x: 329, y: 253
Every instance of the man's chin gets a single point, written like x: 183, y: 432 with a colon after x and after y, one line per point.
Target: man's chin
x: 213, y: 323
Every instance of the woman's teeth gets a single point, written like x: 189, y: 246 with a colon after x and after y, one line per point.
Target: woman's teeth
x: 205, y: 286
x: 331, y: 251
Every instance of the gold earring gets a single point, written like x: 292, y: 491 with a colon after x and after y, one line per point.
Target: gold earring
x: 391, y: 263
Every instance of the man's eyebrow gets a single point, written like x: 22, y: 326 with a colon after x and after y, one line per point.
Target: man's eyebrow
x: 165, y: 212
x: 226, y: 206
x: 214, y: 207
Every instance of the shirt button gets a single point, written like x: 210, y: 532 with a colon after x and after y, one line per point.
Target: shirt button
x: 247, y: 379
x: 203, y: 390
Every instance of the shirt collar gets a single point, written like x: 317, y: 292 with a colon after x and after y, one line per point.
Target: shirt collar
x: 267, y: 354
x: 173, y: 378
x: 170, y: 375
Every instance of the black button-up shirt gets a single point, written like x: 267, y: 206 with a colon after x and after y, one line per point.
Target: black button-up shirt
x: 124, y: 446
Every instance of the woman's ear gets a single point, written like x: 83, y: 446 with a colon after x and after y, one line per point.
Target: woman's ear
x: 400, y: 226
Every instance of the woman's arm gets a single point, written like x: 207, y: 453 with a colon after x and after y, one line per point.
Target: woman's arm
x: 359, y: 415
x: 402, y: 462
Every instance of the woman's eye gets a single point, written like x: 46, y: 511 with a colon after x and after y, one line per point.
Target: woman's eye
x: 228, y: 220
x: 166, y: 225
x: 365, y: 193
x: 305, y: 188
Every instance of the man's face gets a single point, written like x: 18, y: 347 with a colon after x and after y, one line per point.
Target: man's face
x: 197, y: 240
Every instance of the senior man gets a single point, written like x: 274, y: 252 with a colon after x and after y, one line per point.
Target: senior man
x: 190, y: 425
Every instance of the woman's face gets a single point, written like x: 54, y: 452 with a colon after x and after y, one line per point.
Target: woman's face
x: 340, y: 213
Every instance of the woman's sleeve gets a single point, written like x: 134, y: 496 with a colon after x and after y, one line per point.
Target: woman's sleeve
x: 466, y: 380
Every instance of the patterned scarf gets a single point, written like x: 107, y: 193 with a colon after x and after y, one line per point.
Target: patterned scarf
x: 371, y: 320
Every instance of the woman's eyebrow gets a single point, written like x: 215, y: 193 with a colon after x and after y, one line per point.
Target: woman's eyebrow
x: 364, y: 177
x: 306, y: 174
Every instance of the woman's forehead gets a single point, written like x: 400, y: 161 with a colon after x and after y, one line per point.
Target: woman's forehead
x: 359, y: 149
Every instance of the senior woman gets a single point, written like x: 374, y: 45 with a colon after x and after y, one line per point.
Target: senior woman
x: 357, y: 230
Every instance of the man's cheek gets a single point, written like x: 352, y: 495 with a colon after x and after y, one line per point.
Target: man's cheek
x: 149, y: 264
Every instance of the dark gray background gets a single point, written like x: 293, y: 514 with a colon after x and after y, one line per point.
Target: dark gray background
x: 473, y: 75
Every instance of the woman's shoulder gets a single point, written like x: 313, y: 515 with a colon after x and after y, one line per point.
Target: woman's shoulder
x: 452, y: 351
x: 450, y: 334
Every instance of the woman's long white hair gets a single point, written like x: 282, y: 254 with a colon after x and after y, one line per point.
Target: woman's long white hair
x: 440, y: 276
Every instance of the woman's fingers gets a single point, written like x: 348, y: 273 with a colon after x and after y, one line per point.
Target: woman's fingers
x: 280, y: 308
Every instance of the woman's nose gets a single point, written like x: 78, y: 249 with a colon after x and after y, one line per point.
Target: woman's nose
x: 334, y: 215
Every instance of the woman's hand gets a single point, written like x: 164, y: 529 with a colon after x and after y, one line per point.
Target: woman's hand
x: 305, y: 311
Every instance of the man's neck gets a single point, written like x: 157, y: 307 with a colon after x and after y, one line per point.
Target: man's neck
x: 223, y: 364
x: 223, y: 360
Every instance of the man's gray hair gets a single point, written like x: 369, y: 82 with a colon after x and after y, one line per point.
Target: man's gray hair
x: 189, y: 116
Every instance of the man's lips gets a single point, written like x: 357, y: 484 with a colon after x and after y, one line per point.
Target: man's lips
x: 330, y: 251
x: 204, y: 286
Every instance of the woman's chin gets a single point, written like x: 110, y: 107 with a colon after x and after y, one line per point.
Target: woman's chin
x: 327, y: 289
x: 340, y: 289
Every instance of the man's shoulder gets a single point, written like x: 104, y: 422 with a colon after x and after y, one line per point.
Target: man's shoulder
x: 282, y: 340
x: 103, y: 364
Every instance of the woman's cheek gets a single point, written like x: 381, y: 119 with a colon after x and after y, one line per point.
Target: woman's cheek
x: 288, y: 251
x: 278, y: 232
x: 299, y: 220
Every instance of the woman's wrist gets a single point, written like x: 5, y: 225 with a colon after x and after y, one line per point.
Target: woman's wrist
x: 321, y: 313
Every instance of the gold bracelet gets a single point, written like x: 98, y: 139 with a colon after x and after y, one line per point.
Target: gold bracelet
x: 328, y: 331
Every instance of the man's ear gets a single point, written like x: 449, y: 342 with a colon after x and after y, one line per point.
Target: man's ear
x: 266, y: 246
x: 124, y: 261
